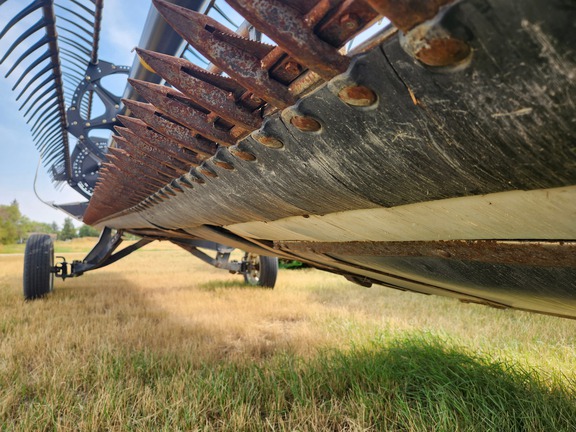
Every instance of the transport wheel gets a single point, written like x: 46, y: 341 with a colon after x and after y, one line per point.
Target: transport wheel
x: 38, y: 264
x: 260, y: 270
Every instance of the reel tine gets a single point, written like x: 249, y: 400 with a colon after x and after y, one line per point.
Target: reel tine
x: 34, y: 78
x: 36, y: 90
x: 35, y: 5
x: 29, y: 51
x: 32, y: 65
x: 37, y: 26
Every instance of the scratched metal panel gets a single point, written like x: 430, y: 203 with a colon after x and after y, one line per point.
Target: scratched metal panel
x: 544, y: 289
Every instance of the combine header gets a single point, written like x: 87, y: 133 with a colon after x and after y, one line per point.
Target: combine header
x: 435, y: 156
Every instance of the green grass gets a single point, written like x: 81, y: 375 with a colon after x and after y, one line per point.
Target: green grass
x: 160, y: 341
x: 410, y: 383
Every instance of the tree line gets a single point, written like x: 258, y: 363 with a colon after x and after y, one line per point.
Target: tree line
x: 16, y: 228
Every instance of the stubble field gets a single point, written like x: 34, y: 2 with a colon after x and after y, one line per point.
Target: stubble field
x: 161, y: 341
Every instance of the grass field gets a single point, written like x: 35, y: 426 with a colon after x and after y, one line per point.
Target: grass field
x: 161, y: 341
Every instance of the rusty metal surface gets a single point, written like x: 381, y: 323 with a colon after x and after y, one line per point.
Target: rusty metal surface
x: 406, y: 14
x: 409, y: 122
x: 228, y: 51
x: 186, y: 77
x: 176, y: 105
x: 534, y: 253
x: 133, y: 144
x: 158, y: 143
x: 169, y: 128
x: 212, y: 110
x: 294, y: 33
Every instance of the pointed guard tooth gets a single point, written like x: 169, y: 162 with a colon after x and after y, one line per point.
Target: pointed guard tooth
x: 243, y: 66
x: 155, y: 152
x: 174, y: 104
x: 220, y: 81
x: 140, y: 153
x: 171, y: 129
x: 173, y: 70
x: 126, y: 163
x: 160, y: 143
x: 289, y: 29
x: 257, y: 49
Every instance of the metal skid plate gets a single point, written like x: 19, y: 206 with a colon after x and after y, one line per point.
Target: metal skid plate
x: 431, y: 134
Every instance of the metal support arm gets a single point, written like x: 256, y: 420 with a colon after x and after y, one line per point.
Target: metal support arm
x: 101, y: 255
x: 222, y: 260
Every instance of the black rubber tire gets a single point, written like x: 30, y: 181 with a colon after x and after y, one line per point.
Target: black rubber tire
x: 38, y: 264
x: 264, y: 270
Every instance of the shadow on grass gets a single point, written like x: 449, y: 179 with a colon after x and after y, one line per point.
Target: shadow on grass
x: 416, y: 383
x: 404, y: 383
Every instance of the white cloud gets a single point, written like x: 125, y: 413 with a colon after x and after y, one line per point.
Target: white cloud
x: 122, y: 26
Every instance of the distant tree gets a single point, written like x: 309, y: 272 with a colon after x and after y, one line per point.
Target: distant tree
x: 68, y: 231
x: 15, y: 227
x: 88, y: 231
x: 9, y: 223
x: 38, y: 227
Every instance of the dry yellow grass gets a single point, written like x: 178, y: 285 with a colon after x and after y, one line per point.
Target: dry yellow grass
x: 162, y: 302
x: 161, y: 297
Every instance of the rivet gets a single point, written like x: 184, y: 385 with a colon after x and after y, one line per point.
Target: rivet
x: 443, y: 52
x: 359, y: 96
x: 269, y: 141
x: 350, y: 21
x: 240, y: 154
x: 207, y: 172
x: 306, y: 124
x: 223, y: 164
x: 292, y: 67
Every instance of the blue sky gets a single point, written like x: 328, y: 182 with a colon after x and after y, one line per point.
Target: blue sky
x: 122, y: 25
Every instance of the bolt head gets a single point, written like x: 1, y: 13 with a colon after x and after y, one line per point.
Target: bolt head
x: 292, y: 67
x: 269, y: 141
x: 305, y: 123
x: 443, y: 52
x: 360, y: 96
x: 350, y: 21
x: 241, y: 154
